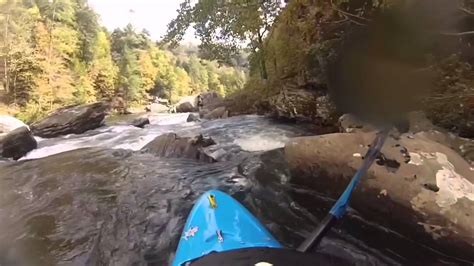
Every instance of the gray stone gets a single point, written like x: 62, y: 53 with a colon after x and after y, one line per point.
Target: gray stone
x: 219, y: 112
x: 172, y: 146
x: 17, y: 143
x: 141, y: 122
x: 193, y: 118
x: 185, y: 107
x: 71, y: 120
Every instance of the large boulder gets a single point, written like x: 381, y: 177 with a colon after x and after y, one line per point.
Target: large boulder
x: 418, y: 187
x: 71, y: 120
x: 185, y: 107
x: 303, y: 105
x: 187, y: 104
x: 9, y: 123
x: 172, y: 146
x: 17, y: 143
x: 219, y: 112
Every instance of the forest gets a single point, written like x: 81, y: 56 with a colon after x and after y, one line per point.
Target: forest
x: 56, y: 53
x: 294, y: 46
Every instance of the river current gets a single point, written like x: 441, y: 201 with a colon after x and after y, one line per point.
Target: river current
x: 96, y: 199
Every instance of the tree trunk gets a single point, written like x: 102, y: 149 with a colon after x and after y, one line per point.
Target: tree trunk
x: 263, y: 66
x: 6, y: 56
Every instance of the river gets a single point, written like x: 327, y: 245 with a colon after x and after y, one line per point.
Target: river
x: 96, y: 199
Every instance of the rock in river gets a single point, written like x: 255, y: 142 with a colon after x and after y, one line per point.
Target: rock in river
x: 193, y: 118
x: 140, y: 122
x: 172, y: 146
x: 417, y: 187
x: 17, y: 143
x: 71, y: 120
x: 185, y: 107
x: 219, y: 112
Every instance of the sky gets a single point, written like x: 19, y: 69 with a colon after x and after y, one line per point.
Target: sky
x: 153, y: 15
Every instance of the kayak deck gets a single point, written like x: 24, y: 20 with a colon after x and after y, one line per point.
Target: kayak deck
x: 219, y: 223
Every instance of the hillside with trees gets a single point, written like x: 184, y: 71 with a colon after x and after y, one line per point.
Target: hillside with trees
x: 56, y: 53
x: 293, y: 43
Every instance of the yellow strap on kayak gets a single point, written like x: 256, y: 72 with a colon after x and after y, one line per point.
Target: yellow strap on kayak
x: 212, y: 201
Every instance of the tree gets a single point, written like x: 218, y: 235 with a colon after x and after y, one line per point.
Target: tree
x: 198, y: 74
x: 54, y: 83
x: 17, y: 54
x: 148, y: 71
x: 88, y: 28
x: 103, y: 70
x: 224, y: 26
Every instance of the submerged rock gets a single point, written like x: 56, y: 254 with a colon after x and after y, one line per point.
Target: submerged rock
x: 71, y: 120
x: 418, y: 187
x: 140, y: 122
x: 17, y: 143
x: 172, y: 146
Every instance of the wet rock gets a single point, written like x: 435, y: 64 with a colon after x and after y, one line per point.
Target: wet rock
x: 193, y: 118
x: 17, y: 143
x: 141, y: 122
x: 219, y: 112
x: 349, y: 123
x: 9, y: 123
x: 71, y: 120
x: 429, y: 198
x: 172, y: 146
x: 185, y: 107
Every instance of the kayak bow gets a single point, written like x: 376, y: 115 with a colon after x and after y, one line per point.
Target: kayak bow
x: 219, y: 223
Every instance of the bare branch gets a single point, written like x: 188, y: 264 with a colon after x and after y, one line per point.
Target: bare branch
x: 466, y: 10
x: 457, y: 33
x: 347, y: 13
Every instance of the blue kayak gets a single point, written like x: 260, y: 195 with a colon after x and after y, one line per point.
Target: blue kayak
x: 218, y: 223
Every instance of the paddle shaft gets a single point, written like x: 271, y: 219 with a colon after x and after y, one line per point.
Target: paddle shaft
x: 340, y: 207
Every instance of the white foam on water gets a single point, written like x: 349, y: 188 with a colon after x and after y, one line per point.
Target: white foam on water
x: 168, y: 119
x: 51, y: 150
x: 261, y: 143
x: 136, y: 144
